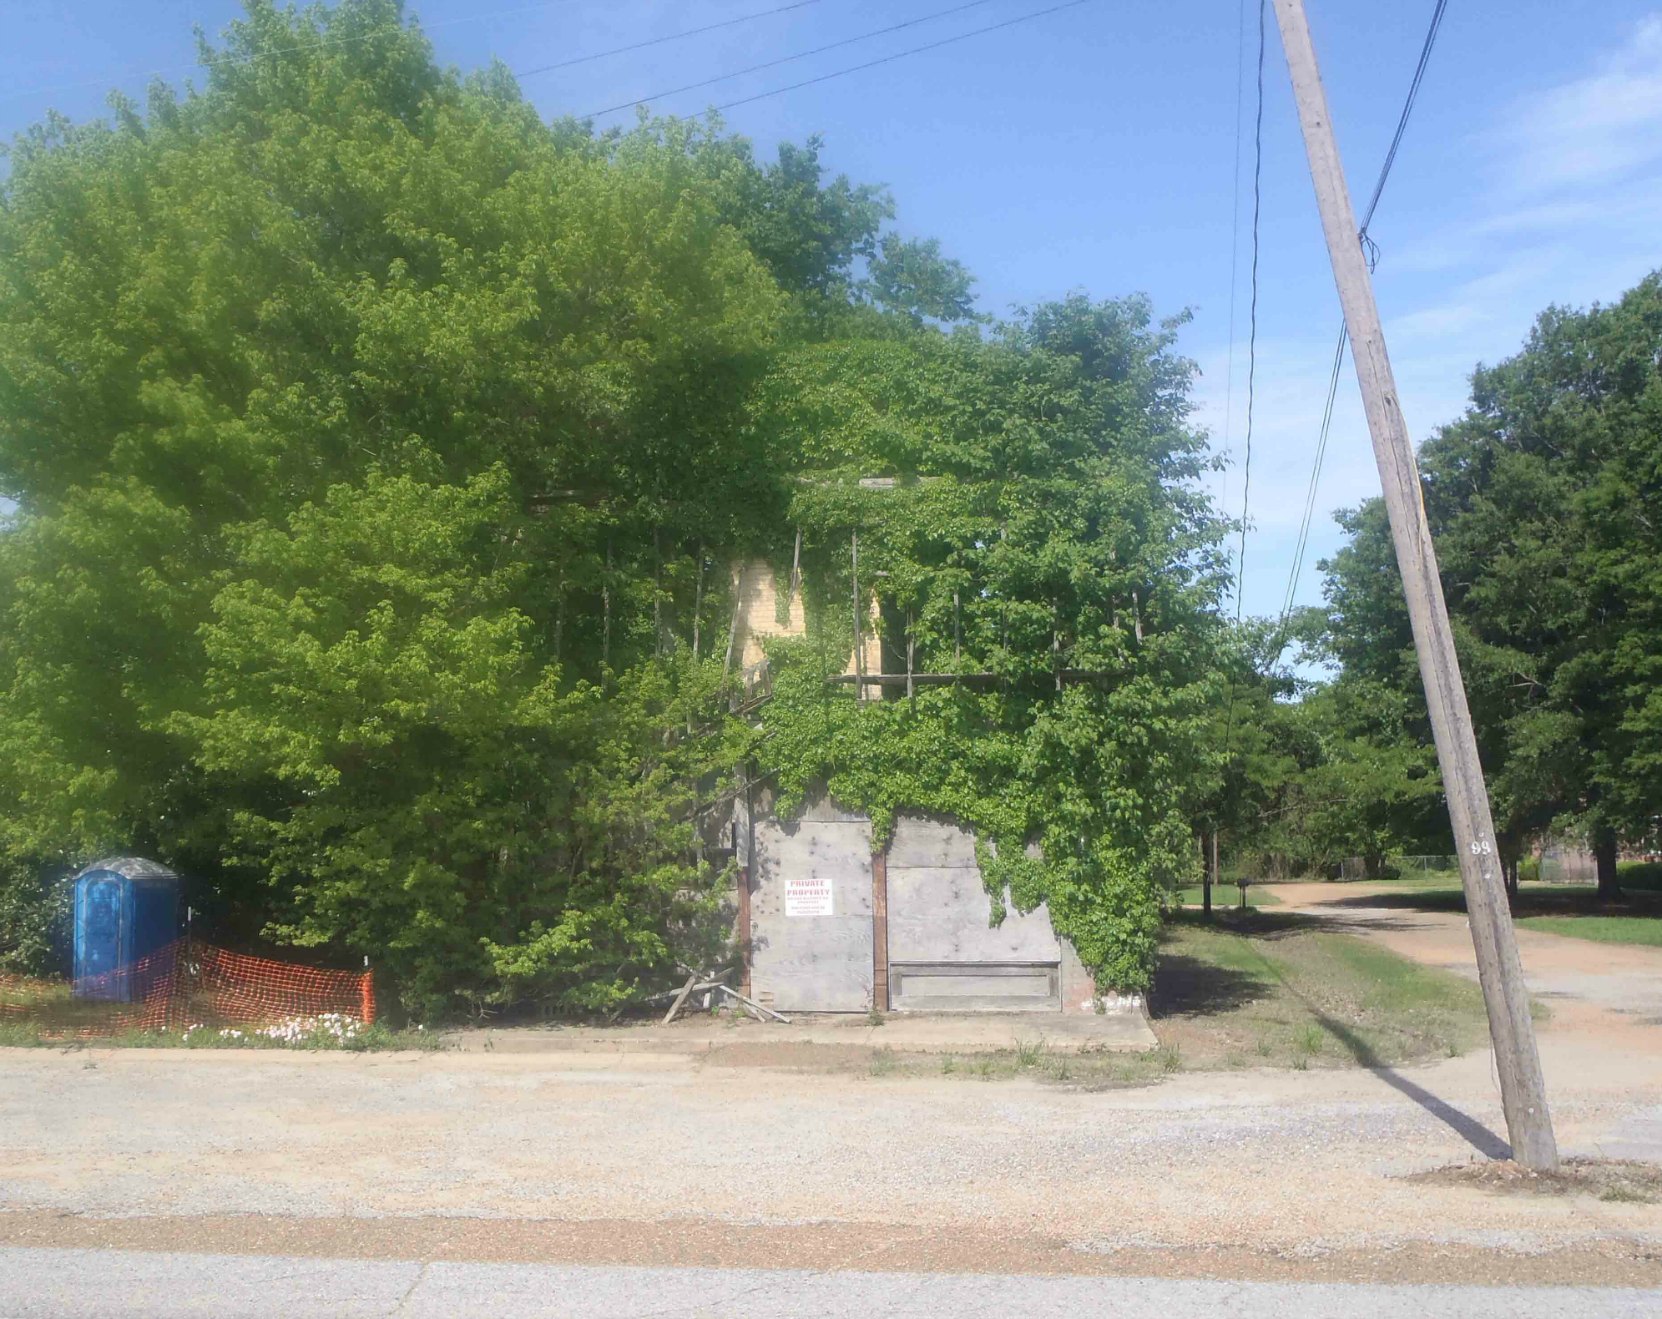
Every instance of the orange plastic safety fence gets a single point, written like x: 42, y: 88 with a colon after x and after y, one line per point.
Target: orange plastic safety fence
x: 191, y: 984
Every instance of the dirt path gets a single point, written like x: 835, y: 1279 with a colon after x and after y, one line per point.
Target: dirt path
x: 1613, y: 989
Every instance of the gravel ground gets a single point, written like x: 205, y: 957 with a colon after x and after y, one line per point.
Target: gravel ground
x: 1263, y: 1165
x: 1280, y: 1161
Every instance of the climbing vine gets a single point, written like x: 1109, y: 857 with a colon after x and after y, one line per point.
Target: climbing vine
x: 1020, y: 515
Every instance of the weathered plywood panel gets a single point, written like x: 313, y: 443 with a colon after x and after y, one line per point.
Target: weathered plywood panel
x: 943, y: 914
x: 825, y: 968
x: 818, y: 963
x: 962, y: 987
x: 918, y: 842
x: 824, y: 809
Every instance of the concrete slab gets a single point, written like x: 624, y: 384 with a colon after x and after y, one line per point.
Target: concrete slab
x: 1120, y: 1031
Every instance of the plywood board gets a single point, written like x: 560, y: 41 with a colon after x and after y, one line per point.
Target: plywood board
x: 943, y: 914
x: 968, y: 986
x: 919, y: 842
x: 806, y: 961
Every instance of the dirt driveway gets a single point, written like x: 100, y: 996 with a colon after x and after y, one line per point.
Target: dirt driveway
x: 592, y: 1156
x: 1624, y: 980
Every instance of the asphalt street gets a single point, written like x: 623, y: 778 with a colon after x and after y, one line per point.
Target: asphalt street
x: 91, y: 1284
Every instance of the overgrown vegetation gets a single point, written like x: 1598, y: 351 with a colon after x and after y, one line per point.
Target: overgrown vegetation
x: 380, y: 454
x: 1541, y: 500
x: 1042, y: 538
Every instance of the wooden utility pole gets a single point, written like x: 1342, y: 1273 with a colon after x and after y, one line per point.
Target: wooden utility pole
x: 1211, y: 873
x: 1523, y: 1092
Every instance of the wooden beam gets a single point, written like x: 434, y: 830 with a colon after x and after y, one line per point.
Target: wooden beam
x: 686, y: 992
x: 859, y: 648
x: 880, y: 931
x: 946, y: 679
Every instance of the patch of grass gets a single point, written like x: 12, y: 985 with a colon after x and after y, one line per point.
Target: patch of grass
x: 1225, y: 895
x: 1644, y: 930
x: 1030, y: 1053
x: 1091, y: 1068
x: 1292, y: 994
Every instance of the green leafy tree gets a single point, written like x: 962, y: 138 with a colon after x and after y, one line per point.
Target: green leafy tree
x: 1542, y: 499
x: 380, y: 452
x: 367, y: 436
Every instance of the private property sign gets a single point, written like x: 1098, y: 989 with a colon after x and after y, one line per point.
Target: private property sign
x: 808, y: 895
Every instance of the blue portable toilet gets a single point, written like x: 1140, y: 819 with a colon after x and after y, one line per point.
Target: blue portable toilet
x: 126, y: 908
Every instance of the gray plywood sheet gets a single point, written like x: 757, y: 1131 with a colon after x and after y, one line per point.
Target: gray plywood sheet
x: 920, y: 842
x: 965, y: 986
x: 942, y: 914
x: 816, y: 849
x: 813, y: 963
x: 824, y: 810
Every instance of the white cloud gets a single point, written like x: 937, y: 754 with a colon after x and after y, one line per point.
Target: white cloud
x: 1571, y: 217
x: 1596, y: 129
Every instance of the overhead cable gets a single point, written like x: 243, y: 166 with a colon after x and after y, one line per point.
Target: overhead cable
x: 231, y: 61
x: 1234, y: 243
x: 1252, y: 356
x: 1252, y: 313
x: 659, y: 41
x: 787, y: 59
x: 902, y: 54
x: 1302, y: 544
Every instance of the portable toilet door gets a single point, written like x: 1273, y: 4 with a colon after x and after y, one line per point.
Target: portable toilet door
x: 103, y: 937
x: 126, y: 908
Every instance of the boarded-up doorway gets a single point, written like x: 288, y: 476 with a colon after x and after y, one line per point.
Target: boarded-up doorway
x: 944, y: 953
x: 811, y: 912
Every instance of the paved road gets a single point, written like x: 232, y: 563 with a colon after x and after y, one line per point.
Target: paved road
x: 85, y: 1284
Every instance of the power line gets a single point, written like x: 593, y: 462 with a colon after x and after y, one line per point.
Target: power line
x: 902, y: 54
x: 1303, y: 541
x: 1234, y: 242
x: 658, y: 41
x: 1302, y: 545
x: 787, y: 59
x: 1252, y: 356
x: 230, y: 61
x: 1407, y: 111
x: 1252, y: 313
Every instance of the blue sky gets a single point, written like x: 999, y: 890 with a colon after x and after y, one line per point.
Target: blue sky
x: 1094, y: 149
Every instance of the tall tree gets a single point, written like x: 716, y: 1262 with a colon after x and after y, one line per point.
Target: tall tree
x: 1543, y: 499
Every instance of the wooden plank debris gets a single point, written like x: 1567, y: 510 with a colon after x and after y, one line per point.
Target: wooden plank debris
x: 680, y: 999
x: 751, y: 1006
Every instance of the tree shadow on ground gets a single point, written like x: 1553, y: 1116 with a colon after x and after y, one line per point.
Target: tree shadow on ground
x: 1273, y: 925
x: 1259, y: 922
x: 1189, y: 987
